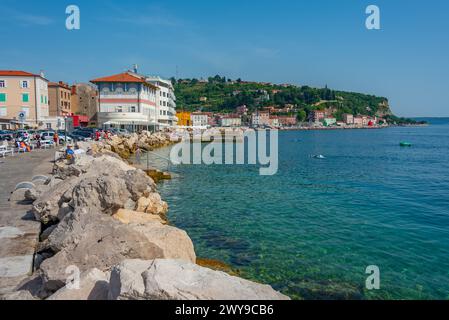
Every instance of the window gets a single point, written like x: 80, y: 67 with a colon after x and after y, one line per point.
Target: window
x: 42, y: 99
x: 119, y: 109
x: 25, y: 97
x: 45, y: 99
x: 3, y: 112
x: 2, y: 97
x: 24, y: 84
x: 2, y: 84
x: 133, y: 109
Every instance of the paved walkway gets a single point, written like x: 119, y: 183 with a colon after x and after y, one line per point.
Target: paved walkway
x: 19, y: 233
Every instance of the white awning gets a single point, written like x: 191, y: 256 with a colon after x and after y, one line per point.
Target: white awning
x: 129, y: 122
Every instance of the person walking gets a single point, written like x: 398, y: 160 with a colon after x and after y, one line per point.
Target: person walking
x: 56, y: 139
x: 137, y: 155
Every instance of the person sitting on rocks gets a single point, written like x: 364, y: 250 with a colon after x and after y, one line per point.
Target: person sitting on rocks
x: 70, y: 154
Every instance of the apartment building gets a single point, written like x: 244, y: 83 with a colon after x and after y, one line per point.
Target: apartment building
x: 260, y: 118
x: 348, y: 118
x: 230, y: 121
x: 200, y: 119
x: 59, y: 101
x: 84, y: 101
x: 165, y: 101
x: 23, y: 99
x: 127, y: 100
x: 287, y: 121
x: 317, y: 115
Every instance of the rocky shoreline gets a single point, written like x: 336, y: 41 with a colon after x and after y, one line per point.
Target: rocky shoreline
x: 104, y: 224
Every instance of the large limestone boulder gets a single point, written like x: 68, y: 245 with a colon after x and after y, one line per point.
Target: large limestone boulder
x: 105, y: 193
x: 152, y: 204
x: 93, y: 285
x: 105, y: 183
x: 18, y: 295
x: 90, y: 239
x: 131, y: 141
x: 130, y: 216
x: 47, y: 205
x: 112, y: 191
x: 174, y: 242
x: 163, y: 279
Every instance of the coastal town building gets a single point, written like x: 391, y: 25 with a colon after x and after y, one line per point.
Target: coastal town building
x: 358, y: 121
x: 214, y: 119
x: 59, y: 99
x: 165, y: 102
x: 348, y: 118
x: 287, y: 121
x: 274, y: 121
x: 23, y: 99
x: 128, y: 101
x: 317, y: 115
x: 59, y: 103
x: 84, y: 102
x: 269, y: 109
x: 230, y: 121
x: 329, y: 121
x: 260, y: 118
x: 184, y: 118
x: 200, y: 119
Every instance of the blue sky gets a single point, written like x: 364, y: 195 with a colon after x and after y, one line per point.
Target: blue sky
x: 315, y: 42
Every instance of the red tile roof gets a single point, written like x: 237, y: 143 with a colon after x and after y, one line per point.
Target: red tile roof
x: 17, y: 73
x: 122, y: 77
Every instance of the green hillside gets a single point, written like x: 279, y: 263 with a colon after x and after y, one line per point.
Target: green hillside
x: 218, y: 94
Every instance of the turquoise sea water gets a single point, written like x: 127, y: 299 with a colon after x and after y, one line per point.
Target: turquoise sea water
x: 312, y: 229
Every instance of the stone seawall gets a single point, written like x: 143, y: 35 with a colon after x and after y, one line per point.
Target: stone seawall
x: 104, y: 225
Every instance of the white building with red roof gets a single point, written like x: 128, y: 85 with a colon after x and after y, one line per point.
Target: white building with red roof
x: 127, y: 100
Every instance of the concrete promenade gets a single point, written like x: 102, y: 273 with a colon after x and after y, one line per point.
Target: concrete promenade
x: 19, y: 232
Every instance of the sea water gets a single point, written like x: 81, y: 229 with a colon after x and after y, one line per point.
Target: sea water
x: 312, y: 229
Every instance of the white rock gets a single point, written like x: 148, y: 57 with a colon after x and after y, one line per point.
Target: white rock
x: 93, y: 285
x: 163, y: 279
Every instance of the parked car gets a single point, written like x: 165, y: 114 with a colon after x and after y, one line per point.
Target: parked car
x: 81, y: 135
x: 6, y: 135
x: 48, y: 135
x: 22, y: 134
x: 120, y: 132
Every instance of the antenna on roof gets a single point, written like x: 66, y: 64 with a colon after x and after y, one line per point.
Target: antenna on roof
x: 135, y: 68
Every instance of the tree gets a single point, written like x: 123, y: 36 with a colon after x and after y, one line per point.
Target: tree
x: 301, y: 116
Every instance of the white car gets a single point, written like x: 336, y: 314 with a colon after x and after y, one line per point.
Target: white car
x: 48, y: 136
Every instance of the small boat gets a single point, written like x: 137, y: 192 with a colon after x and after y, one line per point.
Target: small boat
x: 405, y: 144
x: 320, y: 156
